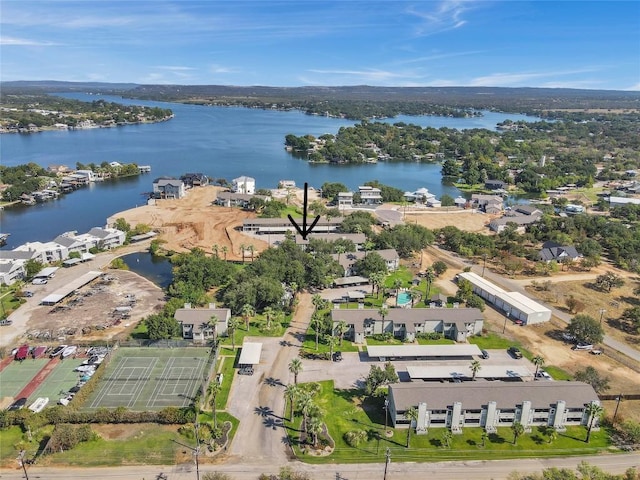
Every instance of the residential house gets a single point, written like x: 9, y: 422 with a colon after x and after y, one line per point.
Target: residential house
x: 168, y: 188
x: 108, y: 238
x: 283, y: 225
x: 347, y: 260
x: 404, y: 323
x: 560, y: 253
x: 231, y: 199
x: 194, y: 179
x: 244, y: 184
x: 490, y: 405
x: 491, y: 204
x: 460, y: 202
x: 421, y: 195
x: 196, y: 323
x: 495, y: 185
x: 370, y: 195
x: 88, y: 174
x: 357, y: 239
x: 345, y: 200
x: 11, y: 271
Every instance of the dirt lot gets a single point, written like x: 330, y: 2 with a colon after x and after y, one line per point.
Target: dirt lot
x: 91, y: 314
x: 463, y: 219
x: 193, y: 221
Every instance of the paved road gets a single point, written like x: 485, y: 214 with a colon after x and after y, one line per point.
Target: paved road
x: 461, y: 470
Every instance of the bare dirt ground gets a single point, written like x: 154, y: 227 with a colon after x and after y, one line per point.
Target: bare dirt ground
x: 91, y: 314
x: 193, y: 221
x: 466, y: 220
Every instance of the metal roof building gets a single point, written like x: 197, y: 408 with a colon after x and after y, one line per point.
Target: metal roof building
x: 250, y: 354
x: 70, y: 287
x: 422, y: 351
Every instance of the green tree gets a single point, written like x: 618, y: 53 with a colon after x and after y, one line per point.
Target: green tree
x: 247, y: 312
x: 594, y: 411
x: 213, y: 390
x: 355, y: 437
x: 591, y: 376
x: 518, y: 429
x: 538, y: 361
x: 475, y: 367
x: 412, y: 415
x: 291, y: 393
x: 586, y: 329
x: 609, y: 280
x: 342, y: 328
x: 295, y: 367
x: 161, y: 327
x: 447, y: 436
x: 316, y: 323
x: 234, y: 324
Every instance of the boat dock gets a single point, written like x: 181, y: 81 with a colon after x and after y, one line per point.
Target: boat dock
x: 3, y: 238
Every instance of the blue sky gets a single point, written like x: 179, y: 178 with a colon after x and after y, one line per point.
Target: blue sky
x: 574, y: 44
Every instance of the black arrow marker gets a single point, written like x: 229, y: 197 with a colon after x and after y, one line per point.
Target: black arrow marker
x: 304, y: 231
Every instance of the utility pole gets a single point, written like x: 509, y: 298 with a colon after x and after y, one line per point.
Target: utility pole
x: 22, y: 462
x: 602, y: 312
x: 196, y: 451
x: 386, y: 410
x: 386, y: 463
x: 484, y: 265
x: 615, y: 413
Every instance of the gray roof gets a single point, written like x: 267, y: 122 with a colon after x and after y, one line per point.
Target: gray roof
x: 475, y: 395
x: 517, y: 219
x: 558, y: 253
x: 18, y: 254
x: 196, y: 316
x: 409, y: 316
x: 349, y: 258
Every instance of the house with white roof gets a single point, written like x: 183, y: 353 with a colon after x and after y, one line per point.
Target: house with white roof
x: 370, y: 195
x: 11, y: 271
x: 244, y: 184
x: 197, y: 324
x: 421, y: 195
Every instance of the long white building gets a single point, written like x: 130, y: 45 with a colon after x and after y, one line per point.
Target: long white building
x: 514, y: 304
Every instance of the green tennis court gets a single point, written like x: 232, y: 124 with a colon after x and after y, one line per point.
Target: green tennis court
x: 17, y: 375
x: 151, y: 378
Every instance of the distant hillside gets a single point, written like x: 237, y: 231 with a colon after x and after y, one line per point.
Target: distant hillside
x: 357, y: 101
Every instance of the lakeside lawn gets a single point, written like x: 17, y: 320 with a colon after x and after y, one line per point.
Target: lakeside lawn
x: 347, y: 410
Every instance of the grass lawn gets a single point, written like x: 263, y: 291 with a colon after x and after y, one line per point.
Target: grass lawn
x: 439, y: 341
x: 346, y: 410
x: 557, y: 373
x: 310, y: 344
x: 227, y: 379
x: 491, y: 341
x: 403, y: 274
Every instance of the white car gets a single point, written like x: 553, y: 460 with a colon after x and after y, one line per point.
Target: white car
x: 583, y: 346
x: 39, y: 281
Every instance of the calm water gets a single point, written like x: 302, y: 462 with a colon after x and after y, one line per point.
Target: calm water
x: 220, y: 142
x: 156, y: 269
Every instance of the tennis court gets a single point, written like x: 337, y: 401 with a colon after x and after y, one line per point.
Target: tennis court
x: 17, y: 375
x: 151, y: 378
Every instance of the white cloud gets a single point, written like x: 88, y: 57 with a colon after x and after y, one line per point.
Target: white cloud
x: 521, y: 79
x: 634, y: 88
x: 24, y: 42
x: 447, y: 15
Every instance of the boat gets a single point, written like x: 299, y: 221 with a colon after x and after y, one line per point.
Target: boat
x: 39, y: 404
x: 68, y: 351
x: 57, y: 351
x: 39, y: 351
x: 3, y: 238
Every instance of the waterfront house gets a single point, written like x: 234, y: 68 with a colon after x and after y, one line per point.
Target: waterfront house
x: 421, y: 195
x: 357, y: 239
x: 244, y: 184
x: 404, y: 323
x: 345, y: 200
x: 231, y: 199
x: 370, y: 195
x: 491, y: 204
x: 11, y: 271
x: 168, y: 188
x: 194, y: 179
x: 490, y: 405
x: 108, y: 238
x: 88, y: 174
x: 197, y: 325
x: 494, y: 185
x: 283, y: 225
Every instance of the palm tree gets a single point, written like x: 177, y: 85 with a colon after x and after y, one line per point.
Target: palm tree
x: 251, y: 249
x: 215, y: 251
x: 355, y: 437
x: 213, y: 324
x: 342, y: 329
x: 383, y: 311
x: 340, y: 249
x: 242, y: 250
x: 518, y: 429
x: 594, y: 411
x: 234, y: 323
x: 538, y: 361
x: 397, y: 283
x: 447, y: 436
x: 367, y: 246
x: 430, y: 276
x: 305, y: 405
x: 291, y: 392
x: 552, y: 434
x: 247, y: 312
x: 225, y: 249
x: 212, y: 391
x: 316, y: 323
x: 317, y: 301
x: 484, y: 437
x: 295, y: 367
x: 331, y: 341
x: 412, y: 416
x: 268, y: 315
x: 376, y: 279
x: 475, y: 368
x: 315, y: 428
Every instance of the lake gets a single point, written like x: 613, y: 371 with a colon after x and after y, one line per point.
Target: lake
x: 221, y: 142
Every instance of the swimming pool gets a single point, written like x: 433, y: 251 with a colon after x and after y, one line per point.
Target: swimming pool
x: 403, y: 298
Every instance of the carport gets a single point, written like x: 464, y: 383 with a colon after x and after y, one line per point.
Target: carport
x: 384, y: 352
x: 250, y: 354
x: 443, y: 372
x: 70, y: 287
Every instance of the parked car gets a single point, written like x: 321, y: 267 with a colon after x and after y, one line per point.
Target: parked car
x: 18, y: 404
x: 6, y: 321
x: 39, y: 281
x: 337, y: 356
x: 27, y: 293
x: 245, y: 371
x: 543, y: 374
x: 57, y: 351
x: 583, y: 346
x: 22, y: 353
x: 515, y: 352
x: 484, y: 354
x: 567, y: 337
x: 596, y: 352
